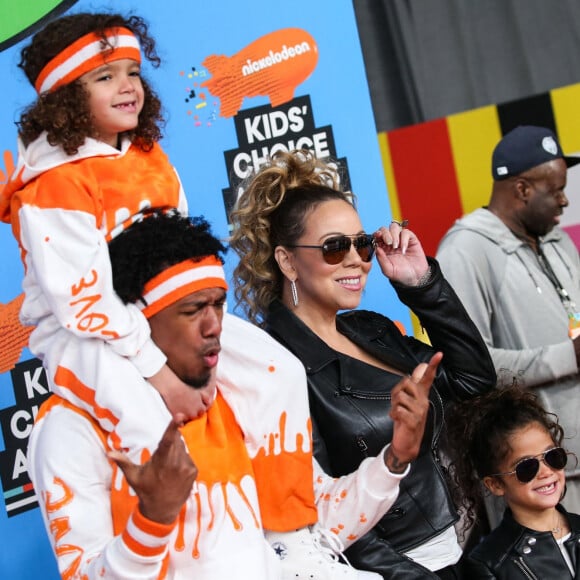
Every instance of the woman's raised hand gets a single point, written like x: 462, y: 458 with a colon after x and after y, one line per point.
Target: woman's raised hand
x: 400, y: 254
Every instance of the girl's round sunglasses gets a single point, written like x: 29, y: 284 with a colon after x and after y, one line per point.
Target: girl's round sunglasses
x: 528, y: 468
x: 335, y: 249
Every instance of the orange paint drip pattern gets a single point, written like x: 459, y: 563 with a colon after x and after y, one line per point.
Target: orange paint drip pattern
x: 59, y: 527
x: 195, y: 552
x: 294, y: 502
x: 66, y: 379
x: 123, y: 500
x: 235, y: 521
x: 224, y: 496
x: 180, y: 537
x: 55, y: 505
x: 337, y: 530
x: 216, y: 445
x: 217, y: 448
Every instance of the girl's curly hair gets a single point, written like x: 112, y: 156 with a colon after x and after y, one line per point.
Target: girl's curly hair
x: 477, y: 434
x: 64, y: 113
x: 272, y: 211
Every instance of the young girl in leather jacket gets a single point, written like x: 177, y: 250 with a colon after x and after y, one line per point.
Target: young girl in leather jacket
x: 304, y: 257
x: 512, y: 445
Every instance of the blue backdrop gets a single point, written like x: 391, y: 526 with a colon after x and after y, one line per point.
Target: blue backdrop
x: 328, y: 110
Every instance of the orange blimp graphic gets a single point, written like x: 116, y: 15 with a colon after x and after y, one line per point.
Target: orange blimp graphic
x: 272, y: 66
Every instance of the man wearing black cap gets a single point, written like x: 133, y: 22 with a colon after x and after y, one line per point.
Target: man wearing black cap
x: 518, y: 275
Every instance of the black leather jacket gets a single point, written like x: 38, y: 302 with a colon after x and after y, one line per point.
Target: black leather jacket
x: 350, y: 409
x: 513, y: 552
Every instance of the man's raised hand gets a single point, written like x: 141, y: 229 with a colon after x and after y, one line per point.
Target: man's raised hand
x: 163, y: 483
x: 409, y: 409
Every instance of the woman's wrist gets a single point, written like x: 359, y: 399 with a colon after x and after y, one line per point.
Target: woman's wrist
x: 425, y: 278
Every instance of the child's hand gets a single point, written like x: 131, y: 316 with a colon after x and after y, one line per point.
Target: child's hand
x: 180, y: 397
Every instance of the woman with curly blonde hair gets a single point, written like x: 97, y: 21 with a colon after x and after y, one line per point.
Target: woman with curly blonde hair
x: 305, y: 257
x: 260, y: 281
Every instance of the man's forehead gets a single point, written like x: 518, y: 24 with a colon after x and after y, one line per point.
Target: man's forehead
x: 205, y: 295
x: 181, y: 280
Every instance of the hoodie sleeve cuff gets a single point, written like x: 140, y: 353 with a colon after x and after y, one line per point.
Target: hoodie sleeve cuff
x: 146, y: 538
x: 378, y: 480
x: 149, y: 360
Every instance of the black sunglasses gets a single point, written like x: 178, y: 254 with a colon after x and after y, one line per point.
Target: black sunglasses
x: 335, y: 249
x: 528, y: 468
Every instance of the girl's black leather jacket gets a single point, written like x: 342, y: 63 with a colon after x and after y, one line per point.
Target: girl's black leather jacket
x: 349, y: 404
x: 512, y: 552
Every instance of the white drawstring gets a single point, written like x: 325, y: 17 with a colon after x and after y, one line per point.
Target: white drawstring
x: 329, y: 544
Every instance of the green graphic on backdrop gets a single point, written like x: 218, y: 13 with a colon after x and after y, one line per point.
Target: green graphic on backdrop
x: 19, y: 19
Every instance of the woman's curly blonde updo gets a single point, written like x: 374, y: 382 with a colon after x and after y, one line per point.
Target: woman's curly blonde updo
x: 272, y: 211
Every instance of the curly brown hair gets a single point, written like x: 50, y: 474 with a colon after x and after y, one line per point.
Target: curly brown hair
x: 477, y: 434
x: 64, y: 113
x: 162, y: 238
x: 270, y: 212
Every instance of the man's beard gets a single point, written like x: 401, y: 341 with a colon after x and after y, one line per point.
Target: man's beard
x: 197, y: 382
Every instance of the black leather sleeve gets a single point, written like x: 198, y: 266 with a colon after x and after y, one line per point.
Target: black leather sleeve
x: 467, y: 369
x: 373, y: 553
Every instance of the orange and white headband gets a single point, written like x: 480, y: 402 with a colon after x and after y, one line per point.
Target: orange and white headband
x: 181, y: 280
x: 86, y: 54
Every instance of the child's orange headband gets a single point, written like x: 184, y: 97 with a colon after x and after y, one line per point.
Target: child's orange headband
x: 180, y: 280
x: 86, y: 54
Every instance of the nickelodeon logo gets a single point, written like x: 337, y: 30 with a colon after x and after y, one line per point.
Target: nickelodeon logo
x: 272, y: 66
x: 275, y: 58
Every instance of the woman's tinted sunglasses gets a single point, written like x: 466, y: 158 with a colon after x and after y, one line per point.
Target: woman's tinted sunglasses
x: 335, y: 249
x: 528, y: 468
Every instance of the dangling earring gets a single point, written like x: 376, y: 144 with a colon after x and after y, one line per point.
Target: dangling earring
x: 294, y: 292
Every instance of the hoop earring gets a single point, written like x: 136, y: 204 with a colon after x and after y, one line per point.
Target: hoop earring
x: 294, y: 292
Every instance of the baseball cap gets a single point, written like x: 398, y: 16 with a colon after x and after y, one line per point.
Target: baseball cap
x: 525, y: 147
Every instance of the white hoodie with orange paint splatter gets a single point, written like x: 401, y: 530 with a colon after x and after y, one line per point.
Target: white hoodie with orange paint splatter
x: 97, y: 531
